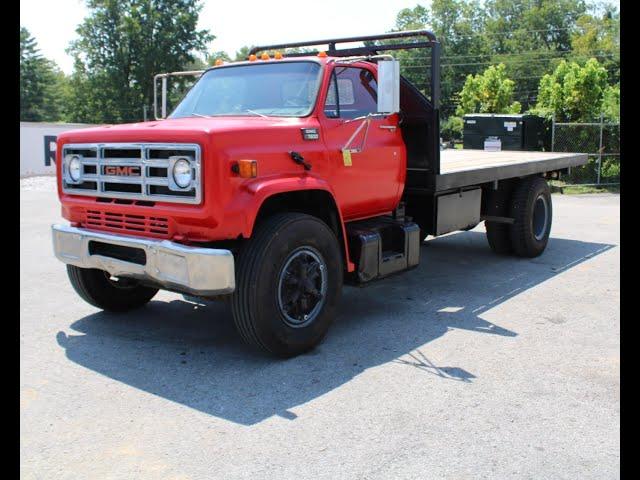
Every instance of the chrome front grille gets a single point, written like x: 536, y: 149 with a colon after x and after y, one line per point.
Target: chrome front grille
x: 137, y: 171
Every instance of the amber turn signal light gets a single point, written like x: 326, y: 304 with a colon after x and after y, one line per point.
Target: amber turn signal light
x: 246, y: 168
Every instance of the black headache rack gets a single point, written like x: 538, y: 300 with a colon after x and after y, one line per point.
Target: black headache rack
x: 420, y: 116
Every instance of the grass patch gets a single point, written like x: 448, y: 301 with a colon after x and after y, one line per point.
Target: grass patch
x: 561, y: 187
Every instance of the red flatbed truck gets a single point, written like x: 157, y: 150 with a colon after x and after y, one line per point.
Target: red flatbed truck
x: 276, y: 180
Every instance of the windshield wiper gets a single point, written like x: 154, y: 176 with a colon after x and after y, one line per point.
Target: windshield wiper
x: 212, y: 116
x: 257, y: 113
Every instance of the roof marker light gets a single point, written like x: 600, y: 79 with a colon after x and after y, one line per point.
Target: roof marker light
x: 219, y: 62
x: 277, y: 56
x: 322, y: 54
x: 265, y: 56
x: 252, y: 57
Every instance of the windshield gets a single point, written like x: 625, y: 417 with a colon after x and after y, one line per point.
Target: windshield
x: 286, y: 89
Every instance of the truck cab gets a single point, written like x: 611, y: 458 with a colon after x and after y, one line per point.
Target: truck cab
x: 272, y: 183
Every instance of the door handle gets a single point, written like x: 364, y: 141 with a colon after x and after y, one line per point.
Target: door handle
x: 391, y: 128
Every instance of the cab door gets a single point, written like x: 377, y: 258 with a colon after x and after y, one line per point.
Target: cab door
x: 368, y: 181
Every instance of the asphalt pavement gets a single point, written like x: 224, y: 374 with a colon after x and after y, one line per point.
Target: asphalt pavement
x: 471, y: 366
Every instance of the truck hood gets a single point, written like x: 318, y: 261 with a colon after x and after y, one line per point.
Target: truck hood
x: 176, y: 130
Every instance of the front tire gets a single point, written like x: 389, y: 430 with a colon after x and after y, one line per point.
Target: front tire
x: 98, y: 289
x: 288, y: 282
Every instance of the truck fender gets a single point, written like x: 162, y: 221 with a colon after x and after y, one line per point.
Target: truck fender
x: 257, y: 192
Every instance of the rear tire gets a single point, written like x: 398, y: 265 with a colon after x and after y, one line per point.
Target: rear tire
x: 288, y: 282
x: 532, y: 213
x: 95, y: 287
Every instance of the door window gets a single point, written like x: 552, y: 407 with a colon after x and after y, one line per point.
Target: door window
x: 353, y: 92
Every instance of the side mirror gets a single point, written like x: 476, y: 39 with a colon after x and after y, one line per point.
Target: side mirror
x: 388, y: 86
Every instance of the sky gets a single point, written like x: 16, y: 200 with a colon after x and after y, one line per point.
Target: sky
x: 234, y: 23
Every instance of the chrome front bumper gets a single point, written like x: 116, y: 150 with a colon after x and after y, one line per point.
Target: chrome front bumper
x: 198, y: 271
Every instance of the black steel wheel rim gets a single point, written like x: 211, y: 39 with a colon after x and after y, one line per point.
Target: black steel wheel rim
x: 540, y: 217
x: 302, y: 287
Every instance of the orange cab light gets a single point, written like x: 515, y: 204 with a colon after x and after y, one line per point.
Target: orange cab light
x: 252, y: 57
x: 219, y: 62
x: 322, y: 54
x: 265, y: 56
x: 277, y: 56
x: 248, y: 168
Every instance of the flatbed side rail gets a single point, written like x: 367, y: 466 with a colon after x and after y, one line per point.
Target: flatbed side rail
x: 481, y: 169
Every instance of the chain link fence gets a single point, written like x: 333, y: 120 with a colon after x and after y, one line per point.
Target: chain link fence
x: 601, y: 140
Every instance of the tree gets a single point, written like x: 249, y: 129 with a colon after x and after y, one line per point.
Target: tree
x: 122, y: 44
x: 489, y: 92
x: 530, y: 37
x: 219, y: 55
x: 243, y: 53
x: 452, y: 128
x: 41, y: 83
x: 573, y: 93
x: 611, y: 103
x: 598, y: 35
x: 456, y: 23
x: 530, y: 25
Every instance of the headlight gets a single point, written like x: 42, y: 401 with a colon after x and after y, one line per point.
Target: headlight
x: 182, y: 173
x: 74, y: 166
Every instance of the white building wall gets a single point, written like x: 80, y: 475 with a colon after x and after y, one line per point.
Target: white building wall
x: 33, y: 153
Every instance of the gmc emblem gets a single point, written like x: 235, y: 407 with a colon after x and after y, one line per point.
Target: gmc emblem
x: 121, y: 171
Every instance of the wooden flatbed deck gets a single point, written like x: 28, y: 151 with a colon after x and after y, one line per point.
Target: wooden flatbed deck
x: 460, y: 168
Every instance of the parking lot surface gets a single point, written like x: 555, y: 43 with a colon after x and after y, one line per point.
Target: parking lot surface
x: 470, y: 366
